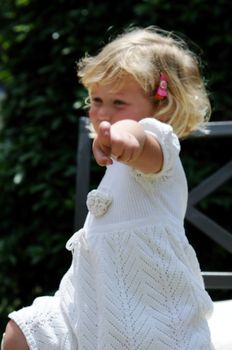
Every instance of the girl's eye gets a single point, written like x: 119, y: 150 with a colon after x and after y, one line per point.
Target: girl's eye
x: 119, y: 103
x: 96, y: 100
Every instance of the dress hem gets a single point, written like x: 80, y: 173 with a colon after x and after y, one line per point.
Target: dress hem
x: 21, y: 324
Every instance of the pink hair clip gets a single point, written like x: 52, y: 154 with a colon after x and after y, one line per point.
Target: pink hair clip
x: 162, y: 92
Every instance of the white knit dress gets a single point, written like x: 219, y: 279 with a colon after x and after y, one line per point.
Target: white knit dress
x: 135, y: 282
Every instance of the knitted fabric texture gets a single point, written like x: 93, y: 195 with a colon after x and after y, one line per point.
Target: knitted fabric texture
x: 134, y: 282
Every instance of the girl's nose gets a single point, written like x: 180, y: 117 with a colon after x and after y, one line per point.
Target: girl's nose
x: 104, y: 113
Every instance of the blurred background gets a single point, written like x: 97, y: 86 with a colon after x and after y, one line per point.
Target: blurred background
x: 40, y: 103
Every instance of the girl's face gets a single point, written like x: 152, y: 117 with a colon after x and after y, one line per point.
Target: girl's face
x: 128, y: 102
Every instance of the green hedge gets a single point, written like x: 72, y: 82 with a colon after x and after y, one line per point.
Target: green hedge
x: 40, y: 43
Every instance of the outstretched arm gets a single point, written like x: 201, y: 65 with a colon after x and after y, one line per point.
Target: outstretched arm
x: 127, y: 141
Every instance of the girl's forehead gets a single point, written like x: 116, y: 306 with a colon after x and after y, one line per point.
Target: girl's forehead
x: 120, y: 86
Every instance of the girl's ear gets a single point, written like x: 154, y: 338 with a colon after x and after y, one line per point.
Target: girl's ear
x: 162, y: 118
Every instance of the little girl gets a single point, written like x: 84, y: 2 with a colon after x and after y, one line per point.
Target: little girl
x: 134, y: 282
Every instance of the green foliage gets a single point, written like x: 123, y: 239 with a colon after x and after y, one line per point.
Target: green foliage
x: 40, y: 43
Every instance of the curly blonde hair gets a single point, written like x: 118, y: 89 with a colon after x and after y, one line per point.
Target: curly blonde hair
x: 144, y: 54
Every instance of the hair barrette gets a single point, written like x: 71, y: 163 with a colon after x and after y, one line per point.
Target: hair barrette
x: 162, y: 92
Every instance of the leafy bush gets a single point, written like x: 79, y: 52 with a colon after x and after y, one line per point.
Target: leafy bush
x: 40, y: 43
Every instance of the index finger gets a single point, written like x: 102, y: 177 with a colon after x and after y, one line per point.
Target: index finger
x: 104, y: 133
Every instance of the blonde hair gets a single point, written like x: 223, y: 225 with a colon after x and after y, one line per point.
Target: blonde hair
x: 144, y: 54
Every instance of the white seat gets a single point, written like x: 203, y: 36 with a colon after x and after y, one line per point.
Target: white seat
x: 221, y: 325
x: 2, y: 342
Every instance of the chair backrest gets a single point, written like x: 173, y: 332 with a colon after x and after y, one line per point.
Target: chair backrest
x: 219, y: 130
x: 83, y: 172
x: 213, y: 280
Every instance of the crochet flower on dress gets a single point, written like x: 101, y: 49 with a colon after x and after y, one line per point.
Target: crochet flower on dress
x: 98, y: 202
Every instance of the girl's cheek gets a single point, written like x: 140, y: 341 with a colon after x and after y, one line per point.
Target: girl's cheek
x: 92, y: 113
x: 93, y: 118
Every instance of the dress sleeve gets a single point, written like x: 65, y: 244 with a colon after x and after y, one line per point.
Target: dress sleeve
x: 170, y: 147
x: 168, y: 140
